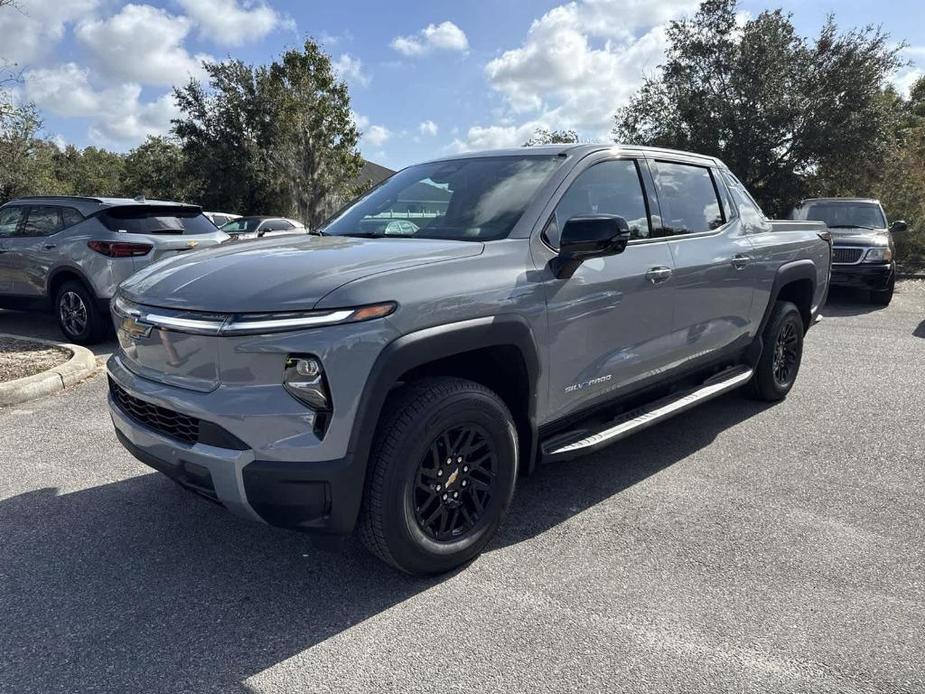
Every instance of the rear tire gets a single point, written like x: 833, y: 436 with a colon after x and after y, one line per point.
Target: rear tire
x: 780, y: 360
x: 885, y: 296
x: 79, y: 317
x: 441, y: 476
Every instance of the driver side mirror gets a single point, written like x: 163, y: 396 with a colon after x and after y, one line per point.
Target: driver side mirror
x: 593, y: 236
x: 898, y: 225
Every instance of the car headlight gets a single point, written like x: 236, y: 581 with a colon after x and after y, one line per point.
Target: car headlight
x: 879, y: 255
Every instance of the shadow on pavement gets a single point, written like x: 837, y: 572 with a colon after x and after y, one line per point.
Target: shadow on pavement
x: 140, y: 586
x: 920, y: 331
x: 847, y: 301
x: 43, y: 326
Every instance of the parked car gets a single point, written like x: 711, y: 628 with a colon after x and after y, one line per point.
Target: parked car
x: 258, y: 227
x: 220, y: 218
x: 863, y: 248
x: 568, y: 297
x: 68, y: 254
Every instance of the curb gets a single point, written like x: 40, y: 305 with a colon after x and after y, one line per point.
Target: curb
x: 81, y: 364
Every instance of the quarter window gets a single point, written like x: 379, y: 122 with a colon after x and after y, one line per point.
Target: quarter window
x: 9, y: 220
x: 687, y: 198
x: 70, y: 216
x: 611, y: 187
x: 41, y: 220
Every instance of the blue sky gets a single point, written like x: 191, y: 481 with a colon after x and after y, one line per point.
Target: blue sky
x: 426, y: 78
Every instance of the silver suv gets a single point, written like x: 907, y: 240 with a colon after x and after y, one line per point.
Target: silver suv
x: 542, y: 304
x: 70, y: 253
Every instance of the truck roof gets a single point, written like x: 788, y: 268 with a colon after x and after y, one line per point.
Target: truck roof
x: 571, y: 149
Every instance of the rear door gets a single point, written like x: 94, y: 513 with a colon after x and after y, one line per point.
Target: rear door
x: 28, y: 253
x: 10, y: 219
x: 714, y: 273
x: 609, y: 323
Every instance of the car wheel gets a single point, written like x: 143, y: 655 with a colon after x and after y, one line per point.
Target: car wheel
x: 779, y: 364
x: 442, y: 474
x: 78, y: 316
x: 885, y: 296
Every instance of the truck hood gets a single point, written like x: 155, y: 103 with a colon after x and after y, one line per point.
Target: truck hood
x: 287, y: 273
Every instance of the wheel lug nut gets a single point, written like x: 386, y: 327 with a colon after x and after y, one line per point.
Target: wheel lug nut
x: 464, y: 483
x: 438, y: 487
x: 449, y: 461
x: 439, y: 473
x: 465, y: 468
x: 455, y: 494
x: 459, y: 460
x: 444, y: 497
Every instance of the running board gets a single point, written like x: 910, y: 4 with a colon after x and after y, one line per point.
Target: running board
x: 565, y: 446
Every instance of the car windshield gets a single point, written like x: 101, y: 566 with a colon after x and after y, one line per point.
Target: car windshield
x: 846, y: 215
x: 477, y: 199
x: 242, y: 224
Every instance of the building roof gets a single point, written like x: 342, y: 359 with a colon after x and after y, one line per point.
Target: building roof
x: 373, y: 173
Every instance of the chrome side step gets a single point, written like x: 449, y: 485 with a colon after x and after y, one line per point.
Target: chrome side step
x: 560, y: 448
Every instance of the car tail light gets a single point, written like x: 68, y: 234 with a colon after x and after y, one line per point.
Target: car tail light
x: 120, y: 249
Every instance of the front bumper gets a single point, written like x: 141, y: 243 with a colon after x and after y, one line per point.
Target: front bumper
x: 875, y: 277
x: 317, y: 497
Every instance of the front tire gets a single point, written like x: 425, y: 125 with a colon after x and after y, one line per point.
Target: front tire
x: 781, y: 356
x: 79, y: 318
x: 442, y: 474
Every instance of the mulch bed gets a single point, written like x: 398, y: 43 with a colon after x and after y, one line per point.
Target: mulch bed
x: 20, y: 358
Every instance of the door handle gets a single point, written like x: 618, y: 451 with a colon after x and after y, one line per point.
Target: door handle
x: 49, y: 246
x: 740, y: 261
x: 658, y: 274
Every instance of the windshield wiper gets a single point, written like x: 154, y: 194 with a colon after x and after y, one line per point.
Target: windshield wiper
x: 850, y: 226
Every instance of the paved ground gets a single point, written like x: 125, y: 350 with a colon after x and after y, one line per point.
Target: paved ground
x: 739, y: 548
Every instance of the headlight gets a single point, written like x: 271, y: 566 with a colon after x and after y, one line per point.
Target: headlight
x: 201, y: 323
x: 879, y: 255
x: 304, y: 379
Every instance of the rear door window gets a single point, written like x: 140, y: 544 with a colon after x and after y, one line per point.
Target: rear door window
x: 9, y: 220
x: 41, y: 220
x: 152, y: 219
x: 688, y: 198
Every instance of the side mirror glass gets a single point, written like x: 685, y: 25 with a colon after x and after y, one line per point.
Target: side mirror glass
x: 898, y: 225
x: 591, y: 236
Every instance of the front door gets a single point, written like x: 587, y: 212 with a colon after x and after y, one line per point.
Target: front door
x: 29, y: 250
x: 714, y: 268
x: 610, y: 323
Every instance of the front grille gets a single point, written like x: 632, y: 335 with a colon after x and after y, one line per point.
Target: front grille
x: 846, y: 256
x: 173, y: 424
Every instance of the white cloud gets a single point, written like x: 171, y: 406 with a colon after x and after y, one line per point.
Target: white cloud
x: 348, y: 68
x: 579, y: 63
x: 32, y: 28
x: 428, y: 127
x: 142, y: 44
x: 497, y: 136
x: 444, y: 36
x: 360, y: 121
x: 118, y: 114
x: 376, y: 135
x: 906, y: 79
x: 230, y: 23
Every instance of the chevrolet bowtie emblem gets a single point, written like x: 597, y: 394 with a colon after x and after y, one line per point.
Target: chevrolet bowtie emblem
x: 452, y: 477
x: 192, y: 244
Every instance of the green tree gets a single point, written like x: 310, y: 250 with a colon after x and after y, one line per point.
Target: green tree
x: 275, y: 139
x: 88, y: 171
x: 545, y: 136
x: 156, y: 169
x: 901, y: 185
x: 790, y: 116
x: 315, y: 138
x: 25, y: 160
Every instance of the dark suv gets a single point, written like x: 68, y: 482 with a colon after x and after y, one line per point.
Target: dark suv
x: 69, y: 253
x: 863, y: 253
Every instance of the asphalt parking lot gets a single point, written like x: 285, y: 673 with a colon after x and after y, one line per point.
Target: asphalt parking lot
x: 737, y: 548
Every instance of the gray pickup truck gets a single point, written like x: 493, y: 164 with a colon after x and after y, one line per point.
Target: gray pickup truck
x: 543, y: 303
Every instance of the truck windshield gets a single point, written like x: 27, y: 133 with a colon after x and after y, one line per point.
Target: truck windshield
x: 478, y: 199
x: 845, y: 215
